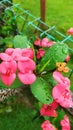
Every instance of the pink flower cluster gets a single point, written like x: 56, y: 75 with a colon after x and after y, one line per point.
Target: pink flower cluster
x: 17, y: 62
x: 46, y: 125
x: 45, y: 42
x: 61, y: 92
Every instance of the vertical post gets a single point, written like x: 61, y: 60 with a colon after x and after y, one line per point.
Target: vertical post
x: 43, y: 9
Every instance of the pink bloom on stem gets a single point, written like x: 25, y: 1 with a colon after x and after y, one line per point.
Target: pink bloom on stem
x: 61, y: 79
x: 8, y: 70
x: 37, y: 42
x: 40, y: 53
x: 65, y: 123
x: 62, y: 96
x: 70, y: 31
x: 26, y: 68
x: 46, y: 42
x: 28, y: 52
x: 67, y: 58
x: 46, y: 125
x: 49, y: 110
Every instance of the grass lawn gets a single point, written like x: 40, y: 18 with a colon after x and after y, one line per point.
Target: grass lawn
x: 58, y: 12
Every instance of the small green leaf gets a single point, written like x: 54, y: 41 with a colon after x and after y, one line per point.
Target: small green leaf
x: 56, y: 53
x: 21, y: 42
x: 41, y: 91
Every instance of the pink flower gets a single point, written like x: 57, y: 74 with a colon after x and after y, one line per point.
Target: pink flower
x: 26, y: 68
x: 46, y: 42
x: 61, y: 79
x: 67, y: 58
x: 70, y: 31
x: 27, y: 78
x: 28, y: 52
x: 46, y: 125
x: 8, y: 70
x: 62, y: 96
x: 49, y: 110
x: 40, y: 53
x: 65, y: 123
x: 37, y: 42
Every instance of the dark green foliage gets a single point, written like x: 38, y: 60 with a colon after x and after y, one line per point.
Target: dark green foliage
x: 8, y: 23
x: 21, y: 118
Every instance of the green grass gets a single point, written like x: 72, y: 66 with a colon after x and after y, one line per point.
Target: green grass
x: 58, y: 12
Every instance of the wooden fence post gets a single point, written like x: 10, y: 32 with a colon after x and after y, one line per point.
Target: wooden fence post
x: 43, y: 10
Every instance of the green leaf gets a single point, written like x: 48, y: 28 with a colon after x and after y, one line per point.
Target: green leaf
x: 8, y: 42
x: 16, y: 84
x: 60, y: 117
x: 21, y: 42
x: 56, y: 53
x: 49, y: 79
x: 41, y: 91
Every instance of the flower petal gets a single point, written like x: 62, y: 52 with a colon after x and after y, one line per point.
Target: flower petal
x: 26, y: 65
x: 8, y: 80
x: 4, y: 66
x: 27, y: 78
x: 61, y: 79
x: 5, y: 57
x: 28, y: 52
x: 65, y: 123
